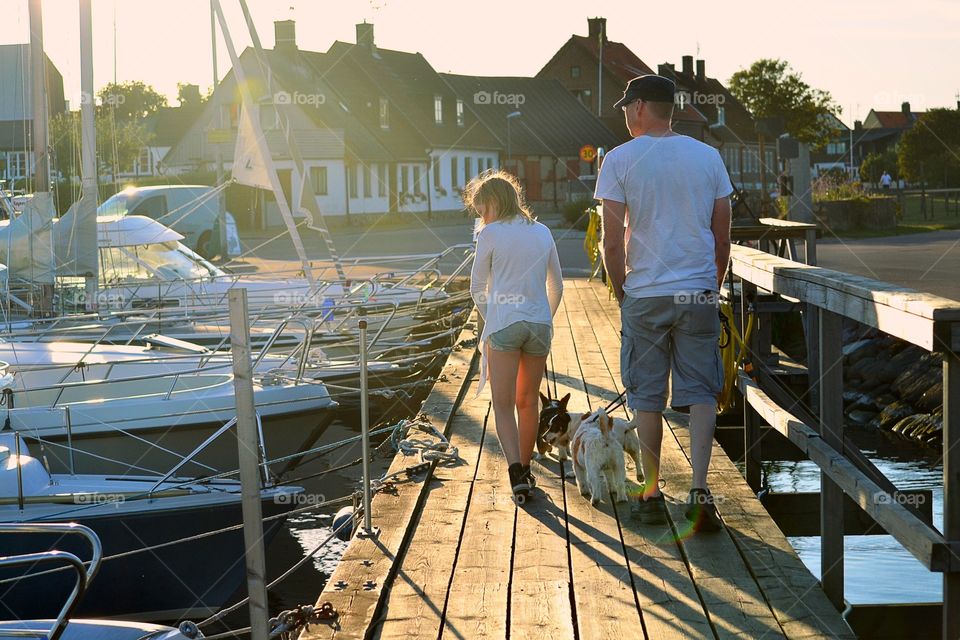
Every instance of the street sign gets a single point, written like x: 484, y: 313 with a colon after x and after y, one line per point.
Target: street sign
x: 588, y: 153
x: 219, y: 136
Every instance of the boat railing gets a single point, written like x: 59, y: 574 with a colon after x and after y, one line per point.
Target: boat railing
x: 85, y: 572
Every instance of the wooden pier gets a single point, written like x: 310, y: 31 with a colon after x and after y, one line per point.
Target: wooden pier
x: 455, y: 558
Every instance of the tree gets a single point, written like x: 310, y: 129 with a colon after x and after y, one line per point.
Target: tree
x: 129, y: 100
x: 873, y: 166
x: 119, y: 142
x: 930, y: 150
x: 189, y: 96
x: 771, y: 88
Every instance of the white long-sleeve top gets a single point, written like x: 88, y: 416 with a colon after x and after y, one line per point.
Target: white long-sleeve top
x: 516, y: 276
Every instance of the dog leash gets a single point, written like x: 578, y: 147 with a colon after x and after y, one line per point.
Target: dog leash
x: 617, y: 402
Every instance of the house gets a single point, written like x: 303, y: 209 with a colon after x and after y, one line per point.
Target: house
x: 577, y: 66
x: 16, y: 109
x: 835, y: 155
x: 881, y: 130
x: 379, y: 131
x: 165, y: 127
x: 541, y: 127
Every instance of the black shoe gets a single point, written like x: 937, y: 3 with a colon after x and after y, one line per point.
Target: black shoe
x: 650, y: 511
x: 702, y: 511
x: 518, y: 483
x: 529, y: 477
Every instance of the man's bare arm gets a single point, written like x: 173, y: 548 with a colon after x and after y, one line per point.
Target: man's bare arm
x: 614, y: 252
x: 720, y: 225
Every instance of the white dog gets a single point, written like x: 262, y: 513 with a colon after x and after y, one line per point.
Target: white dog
x: 598, y: 459
x: 558, y: 427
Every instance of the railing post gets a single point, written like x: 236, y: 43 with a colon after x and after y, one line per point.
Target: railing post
x: 752, y: 459
x: 811, y: 325
x: 830, y: 375
x: 951, y: 485
x: 365, y: 424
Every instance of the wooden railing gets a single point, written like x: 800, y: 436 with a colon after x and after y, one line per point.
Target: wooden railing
x: 928, y: 321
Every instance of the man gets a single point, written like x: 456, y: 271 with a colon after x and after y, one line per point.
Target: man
x: 666, y: 245
x: 885, y: 180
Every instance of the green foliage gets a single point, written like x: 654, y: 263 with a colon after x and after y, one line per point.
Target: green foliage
x: 873, y: 166
x: 119, y: 142
x: 771, y: 88
x: 575, y: 212
x: 129, y: 100
x: 831, y: 186
x: 930, y: 151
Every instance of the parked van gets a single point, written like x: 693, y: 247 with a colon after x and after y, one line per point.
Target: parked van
x: 190, y: 210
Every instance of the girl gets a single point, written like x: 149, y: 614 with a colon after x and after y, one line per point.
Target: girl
x: 517, y: 284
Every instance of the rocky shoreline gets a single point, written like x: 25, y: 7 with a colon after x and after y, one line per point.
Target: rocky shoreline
x: 895, y: 387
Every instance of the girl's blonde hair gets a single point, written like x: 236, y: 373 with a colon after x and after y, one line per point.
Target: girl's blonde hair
x: 500, y: 189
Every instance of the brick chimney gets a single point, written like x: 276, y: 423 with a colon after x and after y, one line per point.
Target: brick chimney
x: 596, y: 27
x: 365, y: 36
x: 688, y: 65
x: 905, y: 108
x: 667, y: 70
x: 701, y: 70
x: 285, y: 35
x: 857, y: 126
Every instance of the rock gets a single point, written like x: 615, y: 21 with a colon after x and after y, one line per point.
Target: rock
x: 853, y: 400
x: 856, y: 351
x: 861, y: 417
x: 932, y: 398
x: 858, y: 369
x: 894, y: 413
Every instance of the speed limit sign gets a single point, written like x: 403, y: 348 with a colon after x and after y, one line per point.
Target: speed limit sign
x: 588, y: 153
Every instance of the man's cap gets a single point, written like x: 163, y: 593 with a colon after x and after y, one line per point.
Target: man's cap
x: 649, y: 87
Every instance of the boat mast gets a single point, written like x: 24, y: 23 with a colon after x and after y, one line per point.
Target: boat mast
x: 87, y: 206
x: 41, y: 156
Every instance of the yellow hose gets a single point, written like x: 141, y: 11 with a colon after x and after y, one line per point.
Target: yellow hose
x: 733, y: 351
x: 591, y: 246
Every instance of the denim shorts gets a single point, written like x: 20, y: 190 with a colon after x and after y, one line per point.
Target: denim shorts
x: 530, y: 337
x: 675, y: 337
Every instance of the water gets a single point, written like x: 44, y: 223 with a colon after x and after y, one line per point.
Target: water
x: 877, y: 568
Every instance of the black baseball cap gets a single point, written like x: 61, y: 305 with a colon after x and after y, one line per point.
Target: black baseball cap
x: 649, y: 87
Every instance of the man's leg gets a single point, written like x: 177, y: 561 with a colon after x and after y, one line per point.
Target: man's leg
x: 650, y: 433
x: 703, y: 422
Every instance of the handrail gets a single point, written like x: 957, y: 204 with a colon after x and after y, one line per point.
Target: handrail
x: 85, y: 574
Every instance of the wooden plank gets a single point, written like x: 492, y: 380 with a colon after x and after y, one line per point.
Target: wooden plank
x: 733, y: 600
x: 790, y: 590
x: 357, y: 585
x: 830, y: 374
x: 606, y: 604
x: 951, y: 487
x: 414, y: 604
x: 925, y: 544
x: 478, y: 597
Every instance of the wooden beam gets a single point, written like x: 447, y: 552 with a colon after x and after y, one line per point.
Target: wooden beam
x: 830, y: 373
x: 897, y: 621
x: 951, y: 487
x: 798, y: 513
x: 927, y: 545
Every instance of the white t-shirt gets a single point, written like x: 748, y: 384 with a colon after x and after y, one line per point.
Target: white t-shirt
x: 669, y: 185
x: 516, y: 276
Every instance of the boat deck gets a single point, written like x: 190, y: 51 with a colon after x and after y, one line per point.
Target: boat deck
x: 455, y: 558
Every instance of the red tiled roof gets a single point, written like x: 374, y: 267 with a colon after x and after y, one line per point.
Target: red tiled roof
x: 895, y: 119
x: 617, y: 57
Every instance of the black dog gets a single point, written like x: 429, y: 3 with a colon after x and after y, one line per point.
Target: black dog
x: 554, y: 422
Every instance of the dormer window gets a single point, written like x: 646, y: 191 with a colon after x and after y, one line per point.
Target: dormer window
x: 574, y: 72
x: 438, y: 109
x: 384, y: 114
x: 459, y: 112
x: 721, y: 115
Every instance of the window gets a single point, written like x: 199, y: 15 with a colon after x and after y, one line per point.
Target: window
x: 721, y: 115
x: 436, y: 173
x: 367, y: 186
x: 453, y: 172
x: 416, y: 181
x: 318, y: 179
x: 17, y: 165
x: 143, y: 162
x: 438, y: 109
x: 384, y: 114
x: 574, y: 72
x: 352, y: 180
x: 404, y: 179
x: 382, y: 191
x: 466, y: 170
x: 153, y: 207
x: 229, y: 114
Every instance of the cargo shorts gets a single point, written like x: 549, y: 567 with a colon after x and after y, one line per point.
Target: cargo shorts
x: 670, y: 336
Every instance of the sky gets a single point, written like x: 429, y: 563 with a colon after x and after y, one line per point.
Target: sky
x: 867, y: 54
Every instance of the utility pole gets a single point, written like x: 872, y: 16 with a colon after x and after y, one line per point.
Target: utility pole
x: 600, y: 72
